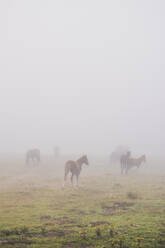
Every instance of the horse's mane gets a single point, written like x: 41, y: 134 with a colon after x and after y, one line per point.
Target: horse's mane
x: 80, y: 159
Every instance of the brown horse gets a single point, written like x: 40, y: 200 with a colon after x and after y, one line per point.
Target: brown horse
x: 135, y: 162
x: 75, y: 168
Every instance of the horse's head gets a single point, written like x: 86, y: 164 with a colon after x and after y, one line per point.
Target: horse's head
x: 85, y: 160
x: 143, y: 158
x: 128, y: 154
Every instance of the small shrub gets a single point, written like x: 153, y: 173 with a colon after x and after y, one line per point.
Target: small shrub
x: 121, y: 243
x: 98, y: 232
x: 6, y: 232
x: 25, y: 230
x: 43, y: 230
x: 111, y: 233
x: 83, y: 233
x: 116, y: 185
x: 132, y: 195
x: 138, y: 242
x: 15, y: 231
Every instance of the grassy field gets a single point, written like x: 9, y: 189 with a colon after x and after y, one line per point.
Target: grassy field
x: 107, y: 210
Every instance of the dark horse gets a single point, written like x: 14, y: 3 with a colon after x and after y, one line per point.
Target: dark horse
x: 123, y: 161
x: 33, y: 155
x: 134, y: 162
x: 117, y: 153
x: 75, y: 168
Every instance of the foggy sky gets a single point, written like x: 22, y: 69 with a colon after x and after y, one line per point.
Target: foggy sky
x: 85, y: 75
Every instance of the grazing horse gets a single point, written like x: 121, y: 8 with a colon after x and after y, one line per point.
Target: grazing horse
x: 134, y: 162
x: 33, y: 155
x: 75, y: 168
x: 123, y: 161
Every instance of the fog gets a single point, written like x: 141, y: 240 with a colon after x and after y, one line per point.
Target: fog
x: 84, y: 75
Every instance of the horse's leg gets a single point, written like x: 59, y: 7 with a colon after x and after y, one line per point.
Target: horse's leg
x: 65, y: 175
x: 77, y: 177
x: 124, y: 168
x: 71, y: 178
x: 33, y: 162
x: 27, y: 160
x: 121, y: 165
x: 38, y: 160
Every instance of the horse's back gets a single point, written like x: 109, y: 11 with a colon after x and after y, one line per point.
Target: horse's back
x: 71, y: 165
x: 33, y: 151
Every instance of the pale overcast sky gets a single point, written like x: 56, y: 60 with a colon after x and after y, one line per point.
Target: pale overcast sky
x: 85, y: 75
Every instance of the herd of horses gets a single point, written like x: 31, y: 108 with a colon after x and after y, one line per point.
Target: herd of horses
x: 75, y: 167
x: 127, y: 162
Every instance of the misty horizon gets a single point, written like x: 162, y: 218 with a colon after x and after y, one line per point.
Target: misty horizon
x: 86, y: 76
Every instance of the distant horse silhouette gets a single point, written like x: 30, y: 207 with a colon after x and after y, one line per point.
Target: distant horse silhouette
x: 56, y: 150
x: 33, y: 155
x: 123, y: 161
x: 75, y: 168
x: 116, y: 154
x: 134, y: 162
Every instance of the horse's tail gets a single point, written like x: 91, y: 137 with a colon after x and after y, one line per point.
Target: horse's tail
x: 66, y: 171
x: 122, y: 163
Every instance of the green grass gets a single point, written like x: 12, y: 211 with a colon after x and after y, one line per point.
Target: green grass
x: 105, y: 211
